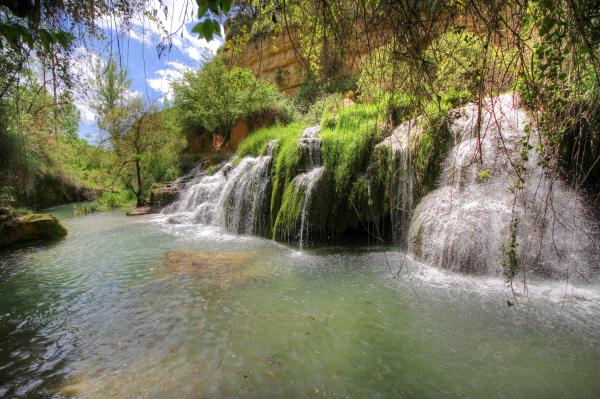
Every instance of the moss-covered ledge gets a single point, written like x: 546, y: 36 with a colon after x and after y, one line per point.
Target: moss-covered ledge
x: 15, y: 228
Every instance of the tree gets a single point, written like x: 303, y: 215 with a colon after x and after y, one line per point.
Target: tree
x: 110, y: 86
x: 137, y: 138
x: 215, y: 96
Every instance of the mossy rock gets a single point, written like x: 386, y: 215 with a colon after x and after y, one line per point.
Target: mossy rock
x: 33, y: 227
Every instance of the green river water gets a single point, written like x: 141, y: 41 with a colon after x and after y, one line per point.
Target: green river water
x: 105, y: 313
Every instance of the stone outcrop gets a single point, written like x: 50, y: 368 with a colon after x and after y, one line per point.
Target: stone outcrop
x: 207, y: 144
x: 16, y: 228
x: 272, y: 58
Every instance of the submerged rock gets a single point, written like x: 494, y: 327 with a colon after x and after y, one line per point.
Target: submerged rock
x: 33, y: 227
x: 221, y: 269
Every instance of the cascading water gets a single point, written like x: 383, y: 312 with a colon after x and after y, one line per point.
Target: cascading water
x: 306, y: 183
x: 402, y: 178
x: 237, y: 197
x: 243, y: 205
x: 496, y: 205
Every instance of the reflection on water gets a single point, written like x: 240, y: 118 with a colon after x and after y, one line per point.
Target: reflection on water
x: 133, y: 307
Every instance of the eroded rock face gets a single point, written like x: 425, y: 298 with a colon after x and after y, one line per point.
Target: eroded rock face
x: 34, y: 227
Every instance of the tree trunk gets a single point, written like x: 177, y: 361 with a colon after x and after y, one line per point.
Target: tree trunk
x: 139, y: 194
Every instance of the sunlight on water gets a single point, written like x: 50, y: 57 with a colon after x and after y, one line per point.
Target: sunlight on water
x: 129, y: 307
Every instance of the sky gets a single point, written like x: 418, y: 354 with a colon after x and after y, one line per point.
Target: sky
x: 149, y: 73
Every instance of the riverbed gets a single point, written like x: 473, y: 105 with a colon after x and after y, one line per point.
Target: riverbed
x: 138, y: 307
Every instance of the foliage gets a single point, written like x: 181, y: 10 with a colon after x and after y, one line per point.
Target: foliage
x: 215, y: 96
x: 285, y: 168
x: 429, y: 150
x: 562, y: 84
x: 326, y: 105
x: 510, y: 264
x: 208, y: 27
x: 315, y: 89
x: 290, y: 212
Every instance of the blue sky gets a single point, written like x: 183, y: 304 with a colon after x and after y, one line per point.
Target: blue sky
x: 149, y: 74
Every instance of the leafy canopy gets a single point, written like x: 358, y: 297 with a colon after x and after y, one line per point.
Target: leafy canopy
x: 215, y: 96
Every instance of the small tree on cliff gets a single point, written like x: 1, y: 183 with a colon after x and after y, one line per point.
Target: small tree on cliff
x: 215, y: 96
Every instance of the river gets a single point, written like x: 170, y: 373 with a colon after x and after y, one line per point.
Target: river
x: 137, y: 307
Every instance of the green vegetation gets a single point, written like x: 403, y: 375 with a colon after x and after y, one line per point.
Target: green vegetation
x: 348, y: 140
x: 256, y: 143
x: 108, y: 201
x: 217, y: 95
x: 484, y: 175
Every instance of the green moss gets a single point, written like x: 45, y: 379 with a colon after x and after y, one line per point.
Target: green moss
x: 212, y: 169
x: 289, y: 214
x: 347, y: 146
x: 417, y: 243
x: 379, y: 178
x: 359, y: 197
x: 46, y: 225
x: 256, y: 143
x: 484, y: 175
x: 286, y: 167
x: 430, y: 149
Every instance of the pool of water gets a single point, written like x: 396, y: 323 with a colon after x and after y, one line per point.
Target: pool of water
x: 135, y: 307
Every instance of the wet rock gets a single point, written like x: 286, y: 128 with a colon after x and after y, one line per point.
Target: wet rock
x: 141, y: 210
x: 34, y: 227
x: 164, y: 195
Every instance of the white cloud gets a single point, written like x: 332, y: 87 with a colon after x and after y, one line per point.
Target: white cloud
x: 86, y: 114
x: 161, y: 81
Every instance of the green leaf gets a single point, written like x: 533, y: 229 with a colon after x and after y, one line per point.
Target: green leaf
x: 202, y: 8
x: 10, y: 33
x: 207, y: 29
x: 46, y: 39
x: 214, y: 6
x: 62, y: 38
x: 197, y: 28
x: 150, y: 16
x: 216, y: 27
x: 225, y: 6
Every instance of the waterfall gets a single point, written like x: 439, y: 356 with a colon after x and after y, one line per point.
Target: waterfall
x: 401, y: 195
x: 236, y: 197
x: 243, y: 205
x: 493, y: 188
x: 306, y: 183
